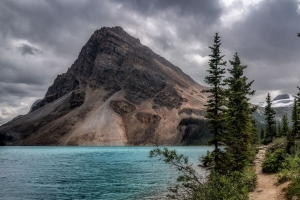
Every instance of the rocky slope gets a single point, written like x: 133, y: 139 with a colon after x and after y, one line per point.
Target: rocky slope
x: 118, y: 92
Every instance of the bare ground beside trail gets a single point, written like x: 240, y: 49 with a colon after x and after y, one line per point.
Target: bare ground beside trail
x: 266, y: 188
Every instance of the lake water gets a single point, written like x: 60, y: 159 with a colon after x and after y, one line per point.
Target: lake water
x: 110, y: 173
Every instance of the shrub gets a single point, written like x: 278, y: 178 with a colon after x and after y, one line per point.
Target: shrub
x: 290, y: 167
x: 293, y: 190
x: 207, y: 160
x: 278, y: 143
x: 248, y: 178
x: 231, y: 186
x: 273, y: 161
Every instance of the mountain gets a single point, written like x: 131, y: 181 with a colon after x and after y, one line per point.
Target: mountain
x: 117, y: 92
x: 282, y: 104
x: 281, y: 100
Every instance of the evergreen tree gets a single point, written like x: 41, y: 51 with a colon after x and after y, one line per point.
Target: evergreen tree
x: 262, y: 134
x: 295, y: 127
x: 285, y: 125
x: 270, y: 120
x: 279, y: 129
x: 216, y: 98
x: 240, y: 133
x: 296, y: 132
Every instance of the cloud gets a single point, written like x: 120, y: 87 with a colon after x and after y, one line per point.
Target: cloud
x: 41, y: 39
x: 26, y: 49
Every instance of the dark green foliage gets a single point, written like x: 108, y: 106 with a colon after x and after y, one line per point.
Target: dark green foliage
x: 195, y: 130
x: 5, y: 138
x: 188, y: 179
x: 291, y: 171
x: 291, y: 135
x: 279, y: 130
x: 290, y: 142
x: 207, y: 160
x: 254, y: 130
x: 2, y: 140
x: 296, y: 116
x: 270, y: 120
x: 293, y: 190
x: 295, y: 120
x: 233, y: 185
x: 262, y: 134
x: 241, y: 129
x: 285, y: 125
x: 216, y: 98
x: 273, y: 161
x: 230, y: 186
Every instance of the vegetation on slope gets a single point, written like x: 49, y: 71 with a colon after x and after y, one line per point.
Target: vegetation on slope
x: 230, y: 121
x: 283, y: 155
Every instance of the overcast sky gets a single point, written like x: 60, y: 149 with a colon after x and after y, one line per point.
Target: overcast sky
x: 41, y: 39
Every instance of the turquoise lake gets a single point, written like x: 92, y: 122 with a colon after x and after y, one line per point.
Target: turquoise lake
x: 110, y: 173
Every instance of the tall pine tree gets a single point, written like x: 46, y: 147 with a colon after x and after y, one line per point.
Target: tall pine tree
x: 239, y: 133
x: 262, y: 134
x: 216, y: 98
x: 279, y: 129
x: 296, y: 133
x: 290, y: 137
x: 270, y: 120
x: 285, y: 125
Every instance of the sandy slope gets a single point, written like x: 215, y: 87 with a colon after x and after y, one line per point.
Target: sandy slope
x: 266, y: 188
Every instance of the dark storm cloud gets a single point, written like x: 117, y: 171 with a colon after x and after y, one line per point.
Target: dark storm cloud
x: 181, y: 31
x: 208, y: 11
x: 267, y: 40
x: 26, y: 49
x: 268, y: 33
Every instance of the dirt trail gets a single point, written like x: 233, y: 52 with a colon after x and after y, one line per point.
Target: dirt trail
x: 266, y: 188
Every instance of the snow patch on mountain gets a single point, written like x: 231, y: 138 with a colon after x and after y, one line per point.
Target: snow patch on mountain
x: 282, y: 100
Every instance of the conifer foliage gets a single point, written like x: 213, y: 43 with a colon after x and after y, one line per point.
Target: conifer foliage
x: 285, y: 125
x: 262, y: 134
x: 296, y: 132
x: 270, y: 120
x: 239, y: 133
x: 216, y: 102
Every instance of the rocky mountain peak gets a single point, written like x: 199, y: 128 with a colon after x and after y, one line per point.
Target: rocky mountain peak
x: 117, y: 90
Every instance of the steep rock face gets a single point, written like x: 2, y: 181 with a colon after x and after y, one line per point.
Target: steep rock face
x: 118, y: 92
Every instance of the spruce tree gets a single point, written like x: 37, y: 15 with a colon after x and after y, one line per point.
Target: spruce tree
x: 216, y: 98
x: 295, y: 121
x: 296, y: 133
x: 262, y: 134
x: 285, y: 125
x: 240, y: 132
x: 270, y: 120
x: 291, y: 134
x: 279, y: 129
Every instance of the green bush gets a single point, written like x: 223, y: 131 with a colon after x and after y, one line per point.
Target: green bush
x: 290, y: 167
x: 273, y: 161
x: 283, y: 176
x: 293, y: 189
x: 249, y: 178
x: 278, y: 143
x: 231, y: 186
x: 207, y: 160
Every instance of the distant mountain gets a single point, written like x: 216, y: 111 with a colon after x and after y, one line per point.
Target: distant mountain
x: 282, y: 100
x: 117, y: 92
x: 282, y: 104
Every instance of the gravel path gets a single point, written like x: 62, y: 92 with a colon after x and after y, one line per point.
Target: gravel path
x: 266, y: 188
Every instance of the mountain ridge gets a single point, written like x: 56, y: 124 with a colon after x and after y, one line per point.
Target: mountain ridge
x: 117, y: 92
